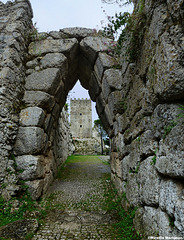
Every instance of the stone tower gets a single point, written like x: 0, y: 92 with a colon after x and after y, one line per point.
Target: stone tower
x: 81, y: 118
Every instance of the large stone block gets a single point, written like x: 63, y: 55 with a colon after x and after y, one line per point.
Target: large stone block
x: 55, y: 60
x: 170, y: 155
x: 39, y: 99
x: 47, y: 81
x: 66, y: 46
x: 32, y: 116
x: 148, y: 145
x: 164, y: 115
x: 35, y: 188
x: 132, y: 190
x: 90, y: 46
x: 171, y: 192
x: 100, y: 104
x: 179, y: 214
x: 30, y: 140
x: 94, y: 87
x: 32, y: 167
x: 103, y: 62
x: 77, y: 32
x: 169, y: 83
x: 116, y: 103
x: 125, y: 167
x: 149, y: 182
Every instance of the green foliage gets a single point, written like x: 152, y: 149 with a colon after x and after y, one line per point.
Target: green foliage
x: 29, y: 236
x: 66, y: 106
x: 137, y: 168
x: 125, y: 224
x: 35, y: 35
x: 154, y: 159
x: 181, y: 115
x: 167, y: 129
x: 101, y: 131
x: 26, y: 205
x: 131, y: 28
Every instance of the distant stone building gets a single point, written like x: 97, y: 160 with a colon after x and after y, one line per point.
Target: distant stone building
x: 81, y: 118
x: 85, y: 138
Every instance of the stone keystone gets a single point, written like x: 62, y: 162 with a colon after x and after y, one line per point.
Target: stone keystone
x: 90, y: 46
x: 46, y: 80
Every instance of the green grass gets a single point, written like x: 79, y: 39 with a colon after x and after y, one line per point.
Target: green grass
x: 27, y: 205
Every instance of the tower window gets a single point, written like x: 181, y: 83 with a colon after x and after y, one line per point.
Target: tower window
x: 80, y: 114
x: 80, y: 126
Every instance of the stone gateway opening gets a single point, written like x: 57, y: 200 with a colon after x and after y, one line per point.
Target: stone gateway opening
x: 139, y: 101
x: 54, y: 65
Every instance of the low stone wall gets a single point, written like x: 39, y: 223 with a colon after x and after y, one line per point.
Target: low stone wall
x: 87, y: 146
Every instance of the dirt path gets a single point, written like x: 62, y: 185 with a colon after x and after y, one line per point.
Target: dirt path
x: 78, y: 202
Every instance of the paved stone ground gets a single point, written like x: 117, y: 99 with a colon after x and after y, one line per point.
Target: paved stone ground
x: 77, y: 203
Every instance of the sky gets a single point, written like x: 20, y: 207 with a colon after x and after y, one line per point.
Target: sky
x: 52, y: 15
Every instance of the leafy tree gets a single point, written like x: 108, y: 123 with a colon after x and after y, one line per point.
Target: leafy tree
x: 102, y: 133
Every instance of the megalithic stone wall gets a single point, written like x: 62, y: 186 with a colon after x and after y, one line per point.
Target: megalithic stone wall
x: 15, y: 25
x: 139, y: 105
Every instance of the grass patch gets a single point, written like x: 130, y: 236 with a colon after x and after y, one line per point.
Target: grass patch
x: 9, y: 214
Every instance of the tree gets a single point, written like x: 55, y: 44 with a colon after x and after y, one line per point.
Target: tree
x: 102, y: 133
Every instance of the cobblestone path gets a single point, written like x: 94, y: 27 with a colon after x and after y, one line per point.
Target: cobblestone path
x: 77, y: 202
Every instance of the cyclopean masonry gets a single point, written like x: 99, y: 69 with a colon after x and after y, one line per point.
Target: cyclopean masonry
x: 138, y: 104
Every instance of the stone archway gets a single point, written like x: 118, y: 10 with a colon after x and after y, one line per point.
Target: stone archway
x: 54, y: 65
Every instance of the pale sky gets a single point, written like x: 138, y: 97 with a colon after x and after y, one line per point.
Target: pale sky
x: 52, y: 15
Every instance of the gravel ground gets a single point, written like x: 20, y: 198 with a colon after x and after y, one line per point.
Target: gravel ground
x: 76, y: 203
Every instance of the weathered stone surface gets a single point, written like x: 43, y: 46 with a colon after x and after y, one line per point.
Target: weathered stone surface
x: 30, y: 140
x: 32, y: 116
x: 179, y: 215
x: 149, y: 182
x: 90, y: 46
x: 171, y: 192
x: 94, y: 87
x: 66, y: 46
x: 35, y: 188
x: 112, y: 81
x: 116, y: 103
x: 55, y: 60
x: 125, y: 167
x: 100, y: 104
x: 103, y: 62
x: 32, y: 167
x: 77, y: 32
x: 170, y: 155
x: 107, y: 113
x: 133, y: 191
x: 155, y: 221
x: 47, y: 81
x: 148, y: 145
x: 39, y: 99
x: 19, y: 229
x: 172, y: 86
